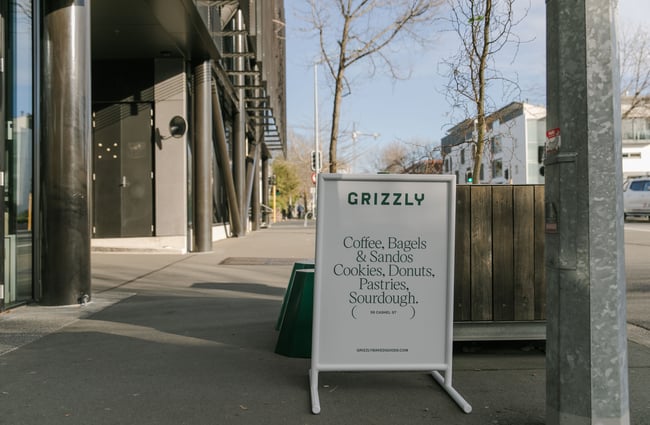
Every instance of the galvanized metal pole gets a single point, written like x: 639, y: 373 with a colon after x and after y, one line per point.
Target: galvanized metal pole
x: 587, y: 380
x: 65, y: 153
x: 316, y: 140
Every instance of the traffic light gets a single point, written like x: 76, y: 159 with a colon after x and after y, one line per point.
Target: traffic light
x: 468, y: 177
x: 316, y: 161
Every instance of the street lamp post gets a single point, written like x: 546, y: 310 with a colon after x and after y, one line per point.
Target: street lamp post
x: 355, y: 136
x: 316, y: 141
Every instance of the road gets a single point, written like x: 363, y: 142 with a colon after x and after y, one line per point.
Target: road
x: 637, y: 270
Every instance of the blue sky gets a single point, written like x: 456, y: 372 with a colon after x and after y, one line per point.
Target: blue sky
x: 414, y: 110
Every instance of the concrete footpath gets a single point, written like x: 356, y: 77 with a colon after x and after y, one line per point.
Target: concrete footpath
x: 190, y: 339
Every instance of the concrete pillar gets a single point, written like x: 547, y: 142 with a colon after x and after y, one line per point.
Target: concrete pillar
x: 202, y: 157
x: 65, y: 152
x: 587, y: 379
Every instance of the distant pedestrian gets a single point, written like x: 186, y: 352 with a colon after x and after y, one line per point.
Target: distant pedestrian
x: 284, y: 214
x: 300, y: 210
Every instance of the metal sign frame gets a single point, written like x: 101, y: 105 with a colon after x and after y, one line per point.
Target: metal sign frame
x: 383, y: 294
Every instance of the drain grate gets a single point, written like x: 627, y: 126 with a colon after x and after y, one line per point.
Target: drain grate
x: 261, y: 261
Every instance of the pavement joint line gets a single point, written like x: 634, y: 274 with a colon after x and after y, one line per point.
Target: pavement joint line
x: 149, y: 273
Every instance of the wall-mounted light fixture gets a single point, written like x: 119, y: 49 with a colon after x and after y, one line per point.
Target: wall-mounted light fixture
x: 177, y: 127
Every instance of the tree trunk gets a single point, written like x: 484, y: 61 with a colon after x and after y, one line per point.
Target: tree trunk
x: 336, y: 112
x: 481, y: 127
x: 338, y: 94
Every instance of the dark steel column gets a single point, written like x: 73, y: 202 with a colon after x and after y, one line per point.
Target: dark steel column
x: 224, y: 165
x: 255, y: 202
x: 65, y: 152
x: 265, y: 189
x: 202, y: 157
x: 251, y: 167
x: 239, y: 133
x: 239, y: 164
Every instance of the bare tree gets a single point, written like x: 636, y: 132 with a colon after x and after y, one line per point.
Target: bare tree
x: 24, y: 7
x: 635, y: 67
x: 484, y: 29
x: 392, y: 158
x: 354, y: 31
x: 402, y: 157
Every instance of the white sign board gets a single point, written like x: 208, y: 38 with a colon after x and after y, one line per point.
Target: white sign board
x: 383, y: 295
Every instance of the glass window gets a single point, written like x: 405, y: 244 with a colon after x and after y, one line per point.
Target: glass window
x: 18, y: 214
x: 640, y: 185
x: 627, y: 129
x: 636, y: 129
x: 496, y: 145
x: 497, y: 168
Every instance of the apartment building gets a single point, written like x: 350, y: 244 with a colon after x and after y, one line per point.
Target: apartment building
x: 636, y: 136
x: 513, y: 150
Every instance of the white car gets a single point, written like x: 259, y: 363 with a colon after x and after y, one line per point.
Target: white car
x: 636, y: 197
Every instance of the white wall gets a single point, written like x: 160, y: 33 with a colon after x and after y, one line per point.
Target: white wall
x: 636, y: 160
x: 170, y: 153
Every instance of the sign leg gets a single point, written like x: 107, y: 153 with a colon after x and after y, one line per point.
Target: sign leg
x: 460, y: 401
x: 313, y: 383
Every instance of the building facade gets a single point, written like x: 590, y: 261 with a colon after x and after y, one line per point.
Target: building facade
x: 636, y: 136
x: 513, y: 150
x: 150, y: 129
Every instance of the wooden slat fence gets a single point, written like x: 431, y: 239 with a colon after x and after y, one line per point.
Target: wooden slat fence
x: 499, y: 269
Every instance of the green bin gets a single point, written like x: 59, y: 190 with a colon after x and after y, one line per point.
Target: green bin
x: 301, y: 265
x: 294, y: 339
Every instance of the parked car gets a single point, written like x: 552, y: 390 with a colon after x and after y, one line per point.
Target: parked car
x: 636, y: 197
